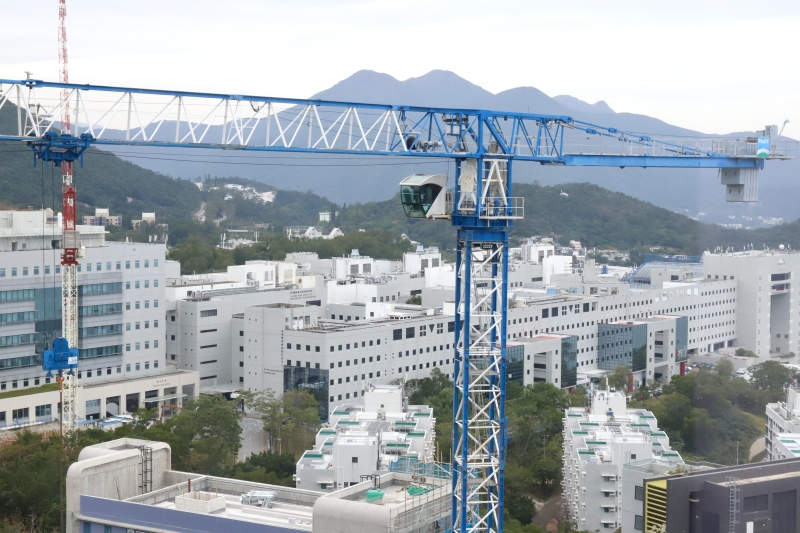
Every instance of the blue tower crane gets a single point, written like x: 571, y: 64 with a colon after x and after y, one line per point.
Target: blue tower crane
x: 484, y: 145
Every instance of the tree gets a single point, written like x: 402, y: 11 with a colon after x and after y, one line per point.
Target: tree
x: 208, y: 429
x: 415, y: 300
x: 771, y: 376
x: 518, y: 503
x: 725, y: 368
x: 294, y: 410
x: 618, y: 378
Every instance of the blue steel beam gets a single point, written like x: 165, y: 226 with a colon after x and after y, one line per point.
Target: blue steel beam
x: 310, y: 127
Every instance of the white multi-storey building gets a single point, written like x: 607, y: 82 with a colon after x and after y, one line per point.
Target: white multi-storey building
x: 121, y: 297
x: 768, y: 309
x: 365, y: 439
x: 782, y: 418
x: 598, y: 442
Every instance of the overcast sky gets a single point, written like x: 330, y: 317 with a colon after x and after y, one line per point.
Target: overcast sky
x: 713, y: 66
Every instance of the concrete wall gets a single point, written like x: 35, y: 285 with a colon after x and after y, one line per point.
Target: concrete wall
x: 112, y: 473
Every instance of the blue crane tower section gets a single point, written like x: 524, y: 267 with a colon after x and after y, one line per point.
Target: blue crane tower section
x: 484, y: 145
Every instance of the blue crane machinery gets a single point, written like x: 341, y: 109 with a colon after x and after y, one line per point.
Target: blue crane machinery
x: 484, y: 145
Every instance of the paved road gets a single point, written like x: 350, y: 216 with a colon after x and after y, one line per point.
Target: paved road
x: 253, y: 440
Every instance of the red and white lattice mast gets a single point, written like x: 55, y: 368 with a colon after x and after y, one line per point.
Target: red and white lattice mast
x: 70, y: 242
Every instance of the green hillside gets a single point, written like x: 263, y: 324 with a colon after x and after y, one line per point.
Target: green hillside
x: 588, y: 213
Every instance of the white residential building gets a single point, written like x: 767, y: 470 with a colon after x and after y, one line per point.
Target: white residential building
x: 598, y: 442
x: 365, y: 439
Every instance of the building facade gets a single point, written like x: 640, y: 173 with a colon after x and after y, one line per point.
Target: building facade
x: 598, y: 442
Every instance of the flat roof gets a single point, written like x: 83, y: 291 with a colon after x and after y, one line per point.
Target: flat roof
x: 290, y: 508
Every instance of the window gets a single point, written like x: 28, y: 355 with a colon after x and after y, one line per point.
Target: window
x: 127, y: 285
x: 108, y: 266
x: 638, y: 493
x: 155, y: 323
x: 119, y: 265
x: 397, y: 334
x: 208, y: 312
x: 147, y: 263
x: 638, y: 522
x: 451, y: 327
x: 753, y: 504
x: 136, y: 264
x: 136, y: 305
x: 25, y: 270
x: 2, y: 272
x: 127, y: 306
x: 43, y: 410
x: 147, y: 284
x: 127, y: 265
x: 147, y: 304
x: 155, y: 263
x: 410, y: 333
x: 36, y: 269
x: 155, y: 283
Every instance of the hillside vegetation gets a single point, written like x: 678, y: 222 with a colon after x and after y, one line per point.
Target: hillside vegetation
x: 587, y: 213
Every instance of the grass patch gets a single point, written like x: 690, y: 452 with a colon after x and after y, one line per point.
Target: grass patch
x: 24, y: 392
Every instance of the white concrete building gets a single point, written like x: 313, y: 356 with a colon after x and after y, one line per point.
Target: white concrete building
x: 598, y: 442
x: 766, y: 294
x: 782, y: 418
x: 366, y: 439
x: 106, y: 491
x: 121, y: 310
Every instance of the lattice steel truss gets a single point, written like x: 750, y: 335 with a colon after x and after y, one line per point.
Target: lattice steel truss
x: 69, y: 316
x: 479, y: 428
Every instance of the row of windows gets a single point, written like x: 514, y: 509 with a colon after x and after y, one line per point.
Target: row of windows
x: 17, y: 318
x: 99, y: 288
x: 22, y: 415
x: 397, y: 334
x: 25, y: 271
x: 98, y: 267
x: 355, y: 361
x: 19, y: 362
x: 137, y: 284
x: 19, y: 295
x: 138, y: 345
x: 427, y: 365
x: 100, y: 331
x: 101, y: 351
x: 355, y: 378
x: 137, y: 263
x: 101, y: 309
x: 347, y: 346
x: 427, y: 350
x: 137, y: 305
x: 25, y: 383
x: 138, y: 325
x: 17, y: 340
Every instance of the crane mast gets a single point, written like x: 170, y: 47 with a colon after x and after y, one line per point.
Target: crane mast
x: 70, y: 239
x: 483, y: 144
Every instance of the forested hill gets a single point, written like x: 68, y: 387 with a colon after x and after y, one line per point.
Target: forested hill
x: 104, y: 181
x: 587, y: 213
